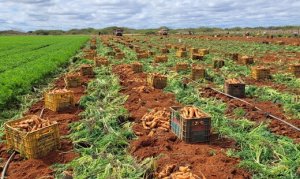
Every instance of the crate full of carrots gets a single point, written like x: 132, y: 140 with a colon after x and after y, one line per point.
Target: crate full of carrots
x: 190, y: 124
x: 32, y: 136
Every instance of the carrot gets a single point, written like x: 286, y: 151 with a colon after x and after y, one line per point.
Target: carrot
x: 184, y: 169
x: 154, y: 123
x: 191, y: 113
x: 151, y: 133
x: 144, y: 125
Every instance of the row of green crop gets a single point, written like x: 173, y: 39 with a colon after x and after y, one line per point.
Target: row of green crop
x: 19, y: 80
x: 104, y: 153
x: 263, y: 153
x: 15, y: 44
x: 25, y: 53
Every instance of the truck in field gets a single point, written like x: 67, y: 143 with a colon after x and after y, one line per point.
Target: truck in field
x: 119, y: 32
x: 163, y: 32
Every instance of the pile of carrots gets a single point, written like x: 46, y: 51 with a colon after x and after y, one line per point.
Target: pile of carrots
x: 157, y: 118
x: 56, y: 91
x: 182, y: 172
x: 33, y: 124
x: 233, y: 81
x: 191, y: 112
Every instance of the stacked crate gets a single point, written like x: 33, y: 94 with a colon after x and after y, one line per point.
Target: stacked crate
x: 260, y: 73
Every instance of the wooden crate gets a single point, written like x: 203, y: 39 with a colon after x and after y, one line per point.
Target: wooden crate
x: 260, y: 73
x: 295, y: 70
x: 198, y: 73
x: 235, y: 88
x: 203, y: 52
x: 181, y: 67
x: 219, y: 63
x: 197, y: 56
x: 157, y: 81
x: 193, y: 50
x: 190, y: 130
x: 181, y: 53
x: 164, y: 50
x: 161, y: 59
x: 182, y: 48
x: 137, y: 67
x: 33, y: 144
x: 86, y: 70
x: 57, y: 100
x: 72, y: 80
x: 142, y: 55
x: 246, y: 60
x: 150, y: 53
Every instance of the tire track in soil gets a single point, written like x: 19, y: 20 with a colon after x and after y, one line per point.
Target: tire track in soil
x: 40, y: 168
x: 209, y: 159
x: 253, y: 114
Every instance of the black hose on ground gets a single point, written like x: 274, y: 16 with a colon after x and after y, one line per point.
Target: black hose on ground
x: 246, y: 102
x: 7, y: 164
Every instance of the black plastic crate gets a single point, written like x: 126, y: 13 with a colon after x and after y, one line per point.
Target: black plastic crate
x: 236, y: 90
x: 190, y: 130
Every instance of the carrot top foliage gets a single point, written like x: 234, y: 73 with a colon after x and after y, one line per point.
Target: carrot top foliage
x: 26, y: 61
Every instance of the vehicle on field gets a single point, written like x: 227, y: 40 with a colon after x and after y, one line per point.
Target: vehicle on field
x: 163, y: 32
x: 119, y: 32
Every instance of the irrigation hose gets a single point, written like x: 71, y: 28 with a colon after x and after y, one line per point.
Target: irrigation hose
x: 267, y: 114
x: 7, y: 164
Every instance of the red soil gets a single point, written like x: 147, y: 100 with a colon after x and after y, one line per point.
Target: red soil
x: 40, y: 168
x: 259, y: 116
x: 208, y: 158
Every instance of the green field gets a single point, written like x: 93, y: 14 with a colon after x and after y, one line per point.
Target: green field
x: 27, y: 60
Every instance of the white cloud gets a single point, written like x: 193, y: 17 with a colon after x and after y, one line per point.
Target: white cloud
x: 60, y: 14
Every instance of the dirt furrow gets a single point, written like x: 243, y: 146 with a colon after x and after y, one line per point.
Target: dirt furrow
x: 206, y: 158
x: 253, y: 114
x: 41, y: 168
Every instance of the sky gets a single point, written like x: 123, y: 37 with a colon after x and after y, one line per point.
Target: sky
x: 25, y: 15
